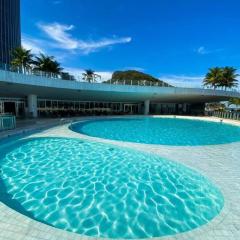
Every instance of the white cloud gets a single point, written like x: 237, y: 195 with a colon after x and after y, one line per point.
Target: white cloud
x: 186, y: 80
x: 35, y: 45
x: 64, y: 40
x: 105, y: 75
x: 59, y: 33
x: 91, y: 46
x: 77, y: 72
x: 41, y: 46
x: 183, y: 80
x: 202, y: 50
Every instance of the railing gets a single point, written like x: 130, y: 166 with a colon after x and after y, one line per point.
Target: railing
x: 226, y: 115
x: 7, y: 122
x: 62, y: 76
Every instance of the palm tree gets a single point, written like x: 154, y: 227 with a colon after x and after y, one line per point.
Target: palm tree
x: 47, y: 64
x: 90, y: 76
x: 22, y: 58
x: 234, y: 101
x: 213, y: 77
x: 225, y: 77
x: 229, y: 78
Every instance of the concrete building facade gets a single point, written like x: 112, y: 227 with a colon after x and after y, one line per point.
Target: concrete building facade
x: 10, y: 30
x: 33, y: 96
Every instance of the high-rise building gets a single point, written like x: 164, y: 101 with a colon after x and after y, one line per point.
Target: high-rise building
x: 10, y: 32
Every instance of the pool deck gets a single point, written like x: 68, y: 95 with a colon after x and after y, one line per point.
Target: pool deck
x: 220, y: 163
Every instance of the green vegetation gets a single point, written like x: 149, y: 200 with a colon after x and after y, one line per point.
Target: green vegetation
x: 90, y: 76
x: 135, y: 78
x: 225, y: 77
x: 215, y: 106
x: 47, y: 64
x: 24, y: 60
x: 234, y: 101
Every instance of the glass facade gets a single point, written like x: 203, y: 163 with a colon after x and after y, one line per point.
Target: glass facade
x: 63, y: 108
x: 68, y: 108
x: 14, y: 106
x: 10, y: 32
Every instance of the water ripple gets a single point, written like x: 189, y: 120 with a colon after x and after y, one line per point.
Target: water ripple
x: 97, y: 190
x: 164, y: 131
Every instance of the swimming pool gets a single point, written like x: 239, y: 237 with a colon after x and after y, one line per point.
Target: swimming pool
x: 164, y: 131
x: 101, y: 190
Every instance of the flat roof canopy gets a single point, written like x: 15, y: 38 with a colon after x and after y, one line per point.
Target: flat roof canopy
x: 20, y: 85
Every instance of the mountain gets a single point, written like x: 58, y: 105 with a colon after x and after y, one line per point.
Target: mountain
x: 136, y: 78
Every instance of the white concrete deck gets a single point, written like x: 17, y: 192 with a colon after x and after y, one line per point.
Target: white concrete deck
x: 220, y: 163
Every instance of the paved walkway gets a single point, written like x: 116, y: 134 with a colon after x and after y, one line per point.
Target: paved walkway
x: 220, y: 163
x: 29, y: 125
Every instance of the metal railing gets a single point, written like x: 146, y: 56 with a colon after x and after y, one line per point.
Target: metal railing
x: 226, y: 115
x: 62, y: 76
x: 7, y: 122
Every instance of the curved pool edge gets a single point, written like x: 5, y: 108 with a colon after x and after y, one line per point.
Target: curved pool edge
x: 23, y: 227
x: 15, y: 224
x: 114, y: 141
x: 214, y: 220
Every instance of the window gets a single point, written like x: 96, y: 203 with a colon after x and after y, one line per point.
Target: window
x: 48, y: 104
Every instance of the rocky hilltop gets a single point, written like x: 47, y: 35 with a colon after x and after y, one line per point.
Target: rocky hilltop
x: 136, y: 78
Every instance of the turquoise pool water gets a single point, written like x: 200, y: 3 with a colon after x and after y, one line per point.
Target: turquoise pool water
x: 165, y: 131
x: 104, y: 191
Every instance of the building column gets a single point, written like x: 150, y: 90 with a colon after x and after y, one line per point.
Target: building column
x: 16, y: 109
x: 121, y: 107
x: 32, y: 105
x: 139, y: 108
x: 146, y: 107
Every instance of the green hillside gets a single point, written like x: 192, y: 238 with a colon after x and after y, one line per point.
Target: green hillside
x: 136, y: 78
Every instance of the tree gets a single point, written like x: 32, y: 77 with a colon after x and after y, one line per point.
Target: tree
x: 234, y: 101
x: 225, y: 77
x: 90, y: 76
x: 213, y: 77
x: 215, y: 106
x: 47, y: 64
x: 22, y: 58
x: 228, y: 78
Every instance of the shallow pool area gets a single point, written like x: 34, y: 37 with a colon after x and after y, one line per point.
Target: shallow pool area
x: 101, y: 190
x: 162, y: 131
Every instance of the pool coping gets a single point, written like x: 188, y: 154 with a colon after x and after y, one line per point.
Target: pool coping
x: 144, y: 148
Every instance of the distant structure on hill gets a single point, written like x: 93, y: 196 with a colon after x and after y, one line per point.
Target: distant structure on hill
x: 134, y: 77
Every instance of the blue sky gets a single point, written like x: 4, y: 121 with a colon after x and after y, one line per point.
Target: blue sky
x: 175, y: 40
